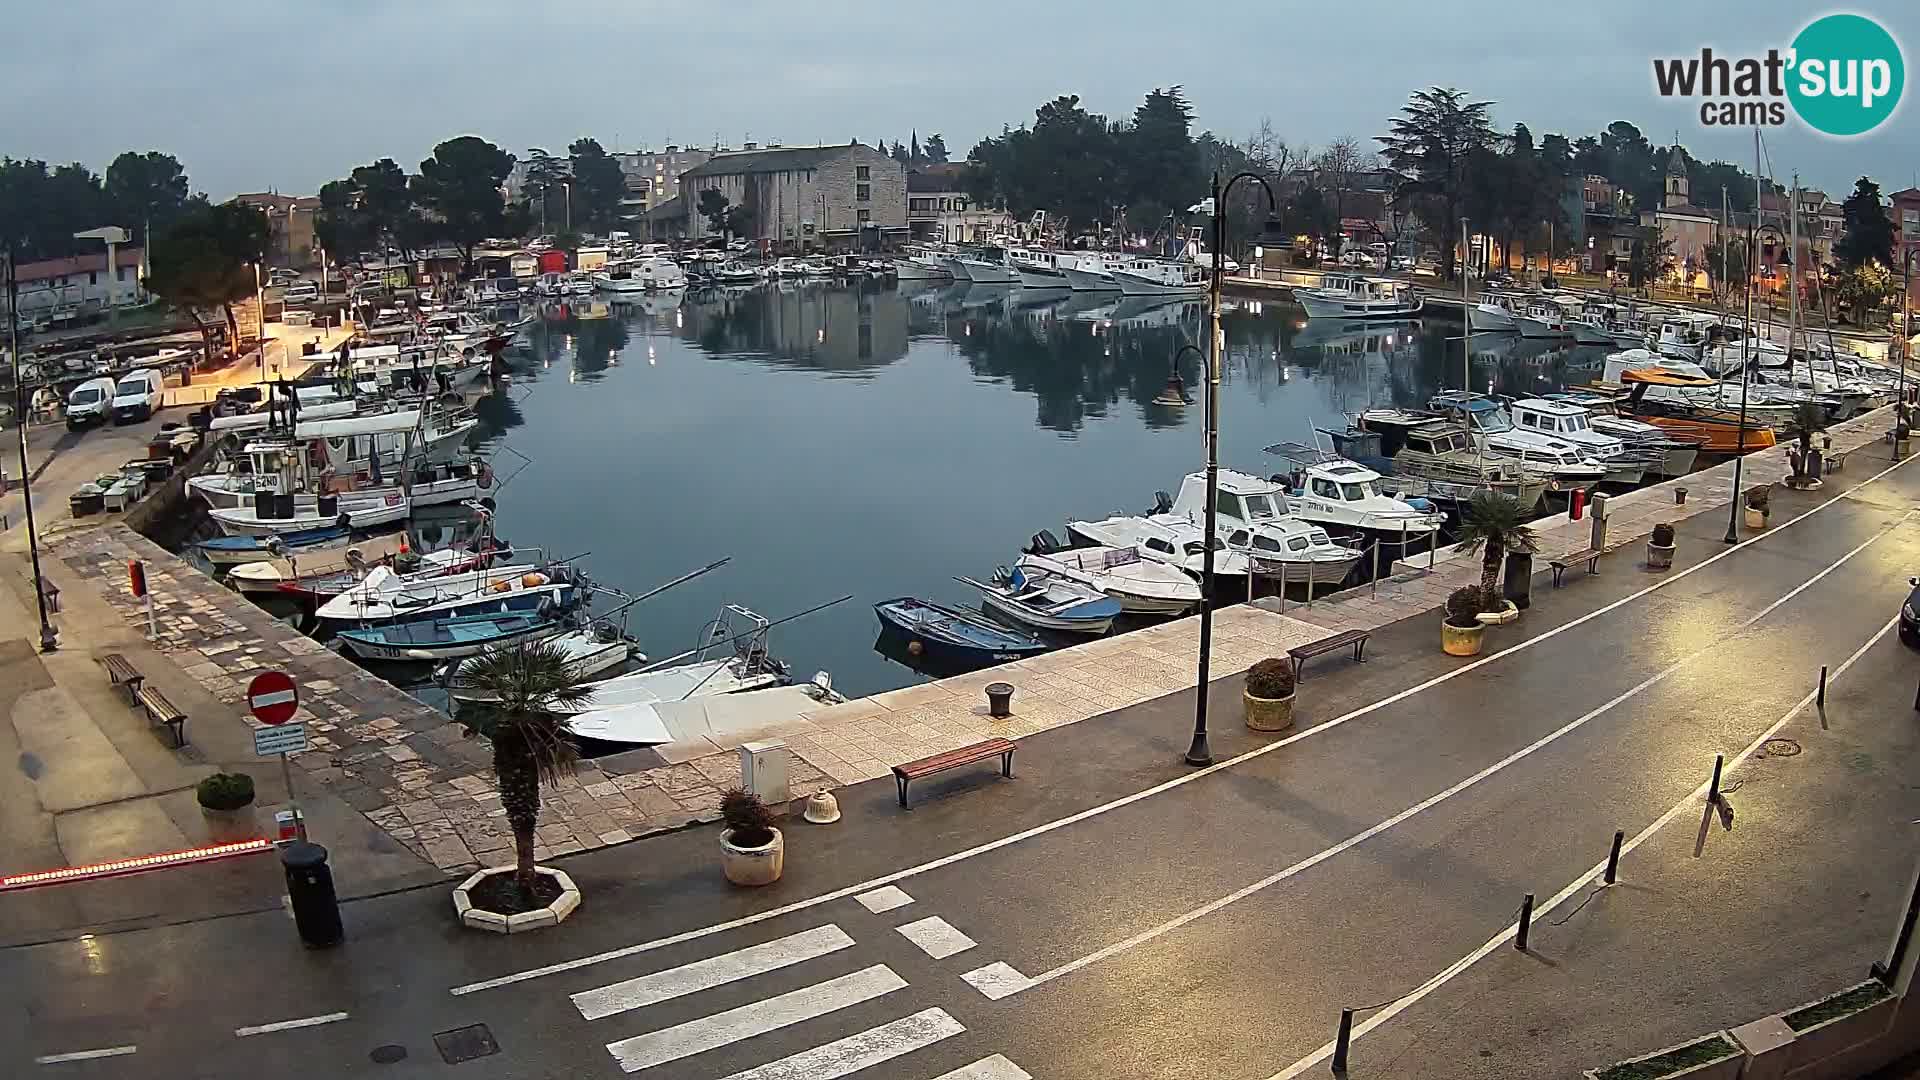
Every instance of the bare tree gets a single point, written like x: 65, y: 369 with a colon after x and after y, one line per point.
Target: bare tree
x: 1341, y: 165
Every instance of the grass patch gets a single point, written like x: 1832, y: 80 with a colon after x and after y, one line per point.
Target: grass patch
x: 1685, y: 1057
x: 1844, y: 1004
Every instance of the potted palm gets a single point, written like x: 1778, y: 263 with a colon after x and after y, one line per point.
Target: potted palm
x: 521, y: 697
x: 1758, y: 506
x: 1269, y: 695
x: 752, y: 851
x: 1660, y: 547
x: 1494, y: 525
x: 1461, y: 631
x: 226, y: 802
x: 1803, y: 459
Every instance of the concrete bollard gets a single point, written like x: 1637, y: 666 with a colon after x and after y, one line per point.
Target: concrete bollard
x: 1526, y: 923
x: 1613, y: 857
x: 1680, y: 495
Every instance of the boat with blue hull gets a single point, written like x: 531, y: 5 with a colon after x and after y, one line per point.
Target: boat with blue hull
x: 1048, y: 602
x: 236, y: 550
x: 949, y: 637
x: 435, y: 640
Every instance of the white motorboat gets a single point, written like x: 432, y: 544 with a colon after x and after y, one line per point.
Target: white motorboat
x: 1542, y: 318
x: 1165, y: 538
x: 1677, y: 456
x: 387, y: 597
x: 1355, y: 296
x: 1494, y: 432
x: 1566, y: 421
x: 1255, y: 516
x: 1435, y: 458
x: 591, y: 651
x: 1344, y: 497
x: 922, y: 267
x: 1143, y: 586
x: 707, y: 720
x: 248, y: 520
x: 1048, y: 601
x: 1092, y: 271
x: 987, y: 271
x: 1494, y: 314
x: 647, y: 274
x: 1685, y: 335
x: 1038, y: 268
x: 1159, y: 277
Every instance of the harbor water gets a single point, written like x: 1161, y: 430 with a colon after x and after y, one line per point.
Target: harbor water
x: 880, y: 441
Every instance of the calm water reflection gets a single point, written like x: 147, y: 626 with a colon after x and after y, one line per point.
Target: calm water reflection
x: 879, y: 442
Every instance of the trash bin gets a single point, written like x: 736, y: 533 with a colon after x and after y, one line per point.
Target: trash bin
x: 1518, y: 586
x: 316, y: 911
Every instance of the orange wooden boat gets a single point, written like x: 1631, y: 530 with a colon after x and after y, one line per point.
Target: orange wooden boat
x: 1717, y: 430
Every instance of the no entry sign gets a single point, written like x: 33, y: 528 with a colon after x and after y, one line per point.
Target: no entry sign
x: 272, y: 697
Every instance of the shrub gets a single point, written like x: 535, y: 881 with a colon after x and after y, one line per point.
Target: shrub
x: 1271, y: 678
x: 748, y: 818
x: 225, y: 791
x: 1757, y: 498
x: 1663, y: 535
x: 1465, y: 603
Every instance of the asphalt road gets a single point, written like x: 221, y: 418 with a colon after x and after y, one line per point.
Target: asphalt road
x: 1106, y: 914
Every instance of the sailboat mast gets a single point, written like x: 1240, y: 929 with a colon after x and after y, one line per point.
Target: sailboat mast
x: 1793, y: 255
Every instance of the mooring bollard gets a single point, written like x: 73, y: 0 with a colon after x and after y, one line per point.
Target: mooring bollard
x: 1526, y: 923
x: 1680, y: 495
x: 1613, y: 857
x: 1341, y: 1041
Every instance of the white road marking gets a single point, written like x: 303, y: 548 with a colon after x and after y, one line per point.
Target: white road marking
x: 997, y: 980
x: 289, y: 1025
x: 1146, y: 793
x: 855, y: 1052
x: 936, y: 937
x: 1692, y: 800
x: 85, y: 1055
x: 756, y: 1018
x: 1431, y: 801
x: 996, y: 1067
x: 713, y: 971
x: 884, y: 899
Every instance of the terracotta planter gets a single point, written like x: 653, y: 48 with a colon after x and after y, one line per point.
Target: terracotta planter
x: 753, y: 865
x: 1461, y: 640
x: 1268, y: 714
x: 1755, y: 519
x: 1659, y: 557
x: 494, y: 922
x: 231, y: 826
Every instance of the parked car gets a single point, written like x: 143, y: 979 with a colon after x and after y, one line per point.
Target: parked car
x: 136, y: 396
x: 1358, y: 260
x: 1400, y: 262
x: 89, y: 403
x: 301, y: 292
x: 1910, y: 615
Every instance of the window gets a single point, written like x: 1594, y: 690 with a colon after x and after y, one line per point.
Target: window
x: 1154, y: 543
x: 862, y: 192
x: 1227, y: 504
x: 1296, y: 543
x: 1237, y: 538
x: 1264, y: 542
x: 93, y: 277
x: 860, y: 172
x: 1326, y: 489
x: 866, y: 216
x: 1356, y: 492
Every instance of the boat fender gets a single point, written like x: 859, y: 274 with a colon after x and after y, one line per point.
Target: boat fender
x: 915, y: 647
x: 485, y: 479
x: 345, y: 520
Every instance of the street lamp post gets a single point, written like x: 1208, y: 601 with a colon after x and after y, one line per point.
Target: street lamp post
x: 49, y: 641
x: 1199, y: 753
x: 1746, y: 344
x: 1906, y: 342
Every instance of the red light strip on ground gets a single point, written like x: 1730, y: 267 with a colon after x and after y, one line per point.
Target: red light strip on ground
x: 10, y: 882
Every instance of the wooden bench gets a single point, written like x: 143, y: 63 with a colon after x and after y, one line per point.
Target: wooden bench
x: 122, y: 673
x: 1834, y: 461
x: 953, y: 759
x: 1356, y: 638
x: 161, y: 711
x: 1560, y: 565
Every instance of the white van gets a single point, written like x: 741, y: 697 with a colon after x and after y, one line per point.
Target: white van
x: 136, y: 395
x: 89, y: 403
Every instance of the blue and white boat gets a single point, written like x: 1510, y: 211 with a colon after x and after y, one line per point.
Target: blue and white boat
x: 1048, y: 601
x: 952, y: 637
x: 388, y: 597
x: 235, y: 550
x: 451, y: 638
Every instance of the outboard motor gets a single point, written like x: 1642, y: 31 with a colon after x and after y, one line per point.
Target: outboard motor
x: 1043, y: 544
x: 1162, y: 503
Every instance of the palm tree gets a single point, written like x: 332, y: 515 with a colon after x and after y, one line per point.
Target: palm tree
x: 1494, y: 524
x: 526, y: 690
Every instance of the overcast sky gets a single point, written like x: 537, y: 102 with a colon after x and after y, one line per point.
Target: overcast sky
x: 264, y: 94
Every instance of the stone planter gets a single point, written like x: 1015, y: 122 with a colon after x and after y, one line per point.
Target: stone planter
x: 1826, y: 1038
x: 1508, y: 614
x: 231, y: 826
x: 1461, y: 640
x: 752, y: 866
x: 1724, y: 1066
x: 551, y: 915
x: 1268, y: 714
x: 1755, y: 519
x: 1659, y: 557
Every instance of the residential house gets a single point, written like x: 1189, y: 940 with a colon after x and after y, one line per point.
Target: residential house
x: 805, y: 198
x: 1906, y: 237
x: 938, y: 210
x: 290, y: 237
x: 81, y: 284
x: 653, y: 178
x: 1691, y: 229
x: 1603, y: 239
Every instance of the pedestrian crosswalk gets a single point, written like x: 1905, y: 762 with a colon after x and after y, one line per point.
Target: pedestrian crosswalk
x: 823, y: 1052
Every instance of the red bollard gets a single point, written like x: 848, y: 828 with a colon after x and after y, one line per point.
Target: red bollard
x: 1577, y: 504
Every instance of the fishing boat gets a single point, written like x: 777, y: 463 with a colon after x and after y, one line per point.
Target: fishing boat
x: 1048, y: 602
x: 1439, y: 453
x: 386, y: 596
x: 988, y: 267
x: 238, y: 550
x: 1157, y: 277
x: 951, y: 636
x: 1542, y: 318
x: 1494, y: 313
x: 322, y: 578
x: 640, y: 275
x: 277, y: 515
x: 452, y: 637
x: 1142, y: 586
x: 1092, y: 271
x: 1355, y: 296
x: 590, y: 651
x: 1038, y: 268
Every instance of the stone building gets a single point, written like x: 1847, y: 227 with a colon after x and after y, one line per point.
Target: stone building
x: 1692, y: 229
x: 939, y: 209
x: 805, y: 198
x: 290, y: 238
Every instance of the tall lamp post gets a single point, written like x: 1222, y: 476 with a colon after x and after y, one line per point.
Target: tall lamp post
x: 1906, y: 343
x: 1199, y: 753
x: 49, y: 641
x: 1746, y: 338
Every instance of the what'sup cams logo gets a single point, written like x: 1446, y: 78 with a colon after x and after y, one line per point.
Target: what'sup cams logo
x: 1843, y: 76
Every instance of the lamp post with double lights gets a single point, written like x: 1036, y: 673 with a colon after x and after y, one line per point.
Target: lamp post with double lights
x: 1199, y: 753
x: 49, y: 641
